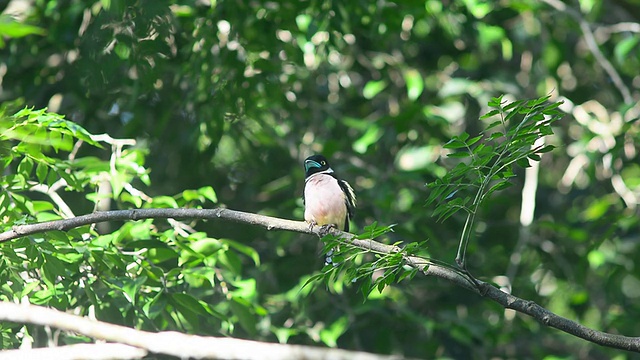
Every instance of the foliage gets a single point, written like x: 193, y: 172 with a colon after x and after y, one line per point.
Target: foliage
x: 491, y: 162
x: 490, y: 167
x: 145, y: 274
x: 224, y: 101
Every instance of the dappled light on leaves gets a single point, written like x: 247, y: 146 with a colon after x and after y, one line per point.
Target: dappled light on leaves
x: 115, y: 105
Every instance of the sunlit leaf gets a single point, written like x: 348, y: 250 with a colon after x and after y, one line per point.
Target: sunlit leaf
x: 372, y: 88
x: 370, y: 137
x: 13, y: 29
x: 330, y: 335
x: 244, y: 249
x: 208, y: 193
x: 242, y: 310
x: 303, y: 22
x: 415, y: 84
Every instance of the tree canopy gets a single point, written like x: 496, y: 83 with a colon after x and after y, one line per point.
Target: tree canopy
x: 115, y: 105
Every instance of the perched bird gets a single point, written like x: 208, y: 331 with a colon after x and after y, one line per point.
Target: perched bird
x: 328, y: 201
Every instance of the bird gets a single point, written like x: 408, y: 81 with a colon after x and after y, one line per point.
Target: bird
x: 328, y: 201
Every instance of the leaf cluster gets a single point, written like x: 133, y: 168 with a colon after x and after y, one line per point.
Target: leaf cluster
x: 146, y: 274
x: 487, y: 166
x: 488, y: 159
x: 369, y: 270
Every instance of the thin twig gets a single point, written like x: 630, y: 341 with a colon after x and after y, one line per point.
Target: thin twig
x: 51, y: 191
x: 620, y: 27
x: 592, y: 44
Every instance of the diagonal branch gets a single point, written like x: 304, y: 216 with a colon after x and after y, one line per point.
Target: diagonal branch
x: 426, y: 266
x: 592, y: 44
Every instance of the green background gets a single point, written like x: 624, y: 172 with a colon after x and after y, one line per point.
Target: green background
x: 228, y: 97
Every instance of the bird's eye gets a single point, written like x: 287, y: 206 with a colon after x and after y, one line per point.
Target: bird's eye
x: 324, y: 163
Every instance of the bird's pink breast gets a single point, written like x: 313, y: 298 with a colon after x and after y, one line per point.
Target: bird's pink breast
x: 324, y: 201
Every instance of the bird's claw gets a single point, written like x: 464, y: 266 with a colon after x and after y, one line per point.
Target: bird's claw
x: 325, y: 229
x: 312, y: 224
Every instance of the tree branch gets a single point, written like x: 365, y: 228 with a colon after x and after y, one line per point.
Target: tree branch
x: 174, y: 343
x: 77, y: 352
x: 426, y: 266
x: 592, y: 44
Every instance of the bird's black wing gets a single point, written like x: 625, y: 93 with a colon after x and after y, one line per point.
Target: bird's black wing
x: 350, y: 201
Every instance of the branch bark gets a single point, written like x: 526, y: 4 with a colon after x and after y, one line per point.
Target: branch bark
x: 426, y: 266
x: 170, y: 342
x: 77, y: 352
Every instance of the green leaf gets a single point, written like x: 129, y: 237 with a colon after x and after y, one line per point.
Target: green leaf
x: 415, y: 84
x: 329, y: 336
x: 373, y: 231
x: 159, y: 255
x: 60, y: 237
x: 513, y: 106
x: 131, y: 287
x: 242, y: 309
x: 52, y: 268
x: 407, y: 273
x: 157, y: 306
x: 189, y: 308
x: 247, y: 250
x: 596, y: 259
x: 231, y: 261
x: 316, y: 277
x: 29, y: 287
x: 206, y: 246
x: 208, y: 193
x: 455, y: 143
x: 499, y: 186
x: 523, y: 163
x: 546, y: 149
x: 25, y: 167
x: 496, y: 102
x: 491, y: 113
x: 164, y: 202
x: 69, y: 178
x: 42, y: 170
x: 13, y: 29
x: 496, y: 135
x: 474, y: 140
x: 189, y: 302
x: 460, y: 154
x: 59, y: 141
x: 190, y: 195
x: 478, y: 8
x: 122, y: 50
x: 370, y: 137
x: 372, y: 88
x: 303, y: 21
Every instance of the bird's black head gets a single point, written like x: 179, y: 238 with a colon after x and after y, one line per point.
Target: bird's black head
x: 315, y: 164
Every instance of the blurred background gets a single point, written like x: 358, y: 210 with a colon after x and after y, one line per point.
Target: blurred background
x: 235, y: 94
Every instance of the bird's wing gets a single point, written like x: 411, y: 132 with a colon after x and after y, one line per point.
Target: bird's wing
x: 350, y: 197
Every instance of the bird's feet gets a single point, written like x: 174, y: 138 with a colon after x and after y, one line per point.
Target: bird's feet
x: 312, y: 223
x: 325, y: 229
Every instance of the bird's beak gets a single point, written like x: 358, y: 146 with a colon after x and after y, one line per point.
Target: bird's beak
x: 308, y: 164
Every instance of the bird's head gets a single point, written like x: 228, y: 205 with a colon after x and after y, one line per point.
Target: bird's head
x: 315, y: 164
